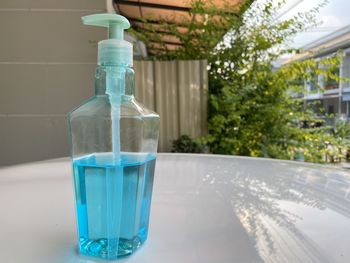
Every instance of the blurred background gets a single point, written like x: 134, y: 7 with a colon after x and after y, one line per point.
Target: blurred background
x: 47, y: 63
x: 264, y: 78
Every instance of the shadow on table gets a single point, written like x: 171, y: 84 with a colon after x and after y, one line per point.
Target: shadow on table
x: 291, y: 212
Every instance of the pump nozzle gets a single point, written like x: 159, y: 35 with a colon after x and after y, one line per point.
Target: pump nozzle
x: 116, y: 24
x: 115, y: 50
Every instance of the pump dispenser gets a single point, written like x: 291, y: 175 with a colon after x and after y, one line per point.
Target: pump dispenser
x: 115, y: 50
x: 113, y: 147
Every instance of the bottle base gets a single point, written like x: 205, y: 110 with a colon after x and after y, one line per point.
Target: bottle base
x: 109, y: 249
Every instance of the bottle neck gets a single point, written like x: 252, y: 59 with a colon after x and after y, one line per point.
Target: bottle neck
x: 114, y: 80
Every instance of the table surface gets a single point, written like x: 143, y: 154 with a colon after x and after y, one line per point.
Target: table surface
x: 205, y: 209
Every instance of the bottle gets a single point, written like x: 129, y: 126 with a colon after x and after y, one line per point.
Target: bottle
x: 113, y: 148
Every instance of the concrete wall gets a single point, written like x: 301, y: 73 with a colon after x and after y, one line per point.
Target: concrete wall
x: 47, y: 61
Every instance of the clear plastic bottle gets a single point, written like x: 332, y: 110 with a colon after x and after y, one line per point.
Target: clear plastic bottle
x: 114, y: 143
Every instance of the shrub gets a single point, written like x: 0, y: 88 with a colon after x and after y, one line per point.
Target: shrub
x: 185, y: 144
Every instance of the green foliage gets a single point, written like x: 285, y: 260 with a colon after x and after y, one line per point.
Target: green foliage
x: 199, y: 30
x: 253, y: 108
x: 185, y: 144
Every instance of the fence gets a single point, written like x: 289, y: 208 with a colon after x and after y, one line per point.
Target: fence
x: 177, y: 91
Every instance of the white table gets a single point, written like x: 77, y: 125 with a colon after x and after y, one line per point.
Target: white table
x: 206, y: 209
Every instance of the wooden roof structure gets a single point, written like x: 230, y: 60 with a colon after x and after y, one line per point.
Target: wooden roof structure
x: 158, y: 12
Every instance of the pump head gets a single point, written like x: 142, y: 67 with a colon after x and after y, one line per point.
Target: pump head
x: 115, y: 50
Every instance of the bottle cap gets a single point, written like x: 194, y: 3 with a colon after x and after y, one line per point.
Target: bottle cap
x: 115, y: 50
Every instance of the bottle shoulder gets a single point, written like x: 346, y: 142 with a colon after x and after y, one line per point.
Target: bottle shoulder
x: 100, y: 106
x: 95, y: 105
x: 134, y: 107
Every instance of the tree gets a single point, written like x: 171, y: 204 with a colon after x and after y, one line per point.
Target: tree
x: 253, y: 109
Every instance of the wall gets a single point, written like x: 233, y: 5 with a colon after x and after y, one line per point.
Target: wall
x: 47, y: 61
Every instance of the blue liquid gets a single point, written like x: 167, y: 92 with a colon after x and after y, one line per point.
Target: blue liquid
x: 113, y: 203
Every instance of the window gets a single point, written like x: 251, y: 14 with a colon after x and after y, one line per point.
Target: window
x: 313, y: 88
x: 330, y: 109
x: 331, y: 83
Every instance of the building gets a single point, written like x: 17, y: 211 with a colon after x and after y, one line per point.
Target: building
x: 334, y: 96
